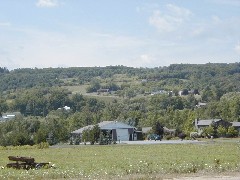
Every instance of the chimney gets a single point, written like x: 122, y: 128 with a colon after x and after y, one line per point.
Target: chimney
x: 196, y: 123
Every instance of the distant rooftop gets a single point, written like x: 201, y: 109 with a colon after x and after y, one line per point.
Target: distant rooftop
x: 207, y: 122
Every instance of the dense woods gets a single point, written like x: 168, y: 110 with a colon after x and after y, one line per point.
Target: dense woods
x: 137, y: 96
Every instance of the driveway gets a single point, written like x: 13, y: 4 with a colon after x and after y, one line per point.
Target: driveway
x: 162, y: 142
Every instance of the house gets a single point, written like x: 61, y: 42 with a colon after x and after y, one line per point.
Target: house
x: 67, y: 108
x: 201, y: 124
x: 201, y: 104
x: 158, y: 92
x: 236, y: 125
x: 118, y: 130
x: 9, y: 116
x: 103, y: 90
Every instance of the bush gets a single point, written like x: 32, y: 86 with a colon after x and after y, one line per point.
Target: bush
x: 232, y: 132
x: 221, y: 131
x: 209, y: 131
x: 182, y: 136
x: 168, y: 137
x: 42, y: 145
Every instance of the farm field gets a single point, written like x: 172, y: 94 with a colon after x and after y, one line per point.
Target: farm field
x: 126, y: 161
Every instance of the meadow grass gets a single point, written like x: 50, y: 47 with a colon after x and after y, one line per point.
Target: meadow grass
x: 81, y: 89
x: 121, y: 161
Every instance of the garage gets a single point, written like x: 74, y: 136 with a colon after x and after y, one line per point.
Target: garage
x: 118, y: 130
x: 122, y: 134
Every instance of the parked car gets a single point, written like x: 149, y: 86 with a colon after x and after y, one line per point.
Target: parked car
x: 154, y: 137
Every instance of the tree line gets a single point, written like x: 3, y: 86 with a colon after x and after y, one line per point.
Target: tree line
x: 40, y: 96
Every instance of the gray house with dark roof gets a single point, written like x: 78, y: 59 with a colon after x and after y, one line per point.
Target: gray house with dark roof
x: 201, y: 124
x: 118, y: 130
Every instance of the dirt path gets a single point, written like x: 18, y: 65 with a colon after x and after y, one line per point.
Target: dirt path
x: 229, y: 176
x: 208, y: 178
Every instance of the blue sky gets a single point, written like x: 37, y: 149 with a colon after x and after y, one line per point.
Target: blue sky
x: 137, y: 33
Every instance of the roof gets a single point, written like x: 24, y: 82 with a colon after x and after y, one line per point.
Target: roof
x: 105, y: 125
x: 235, y: 124
x: 79, y: 131
x: 9, y: 115
x: 113, y: 125
x: 146, y: 129
x: 207, y: 122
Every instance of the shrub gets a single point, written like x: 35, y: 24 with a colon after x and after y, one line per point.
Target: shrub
x: 209, y: 131
x: 232, y: 132
x: 221, y: 131
x: 168, y: 137
x: 42, y: 145
x: 182, y: 136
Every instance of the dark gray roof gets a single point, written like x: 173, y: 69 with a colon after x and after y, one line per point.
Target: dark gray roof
x: 105, y: 125
x: 79, y: 131
x: 207, y: 122
x: 113, y: 125
x: 236, y: 124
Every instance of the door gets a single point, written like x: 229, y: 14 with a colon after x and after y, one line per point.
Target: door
x: 122, y: 134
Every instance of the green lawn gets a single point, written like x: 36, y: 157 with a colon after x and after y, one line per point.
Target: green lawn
x: 121, y: 161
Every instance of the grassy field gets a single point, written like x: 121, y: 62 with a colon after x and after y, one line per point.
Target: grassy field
x: 125, y: 161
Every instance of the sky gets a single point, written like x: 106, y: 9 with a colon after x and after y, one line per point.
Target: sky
x: 135, y: 33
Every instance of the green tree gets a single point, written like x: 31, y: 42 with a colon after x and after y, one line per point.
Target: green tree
x: 94, y: 86
x: 58, y: 98
x: 3, y: 106
x: 209, y: 131
x: 42, y: 134
x: 232, y: 132
x: 158, y: 128
x: 221, y: 131
x: 78, y: 102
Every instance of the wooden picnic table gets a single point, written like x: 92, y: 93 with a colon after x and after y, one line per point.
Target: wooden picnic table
x: 24, y: 163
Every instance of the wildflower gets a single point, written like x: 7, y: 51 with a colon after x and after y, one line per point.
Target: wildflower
x: 53, y: 166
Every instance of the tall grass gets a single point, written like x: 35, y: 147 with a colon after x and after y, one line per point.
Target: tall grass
x: 121, y: 161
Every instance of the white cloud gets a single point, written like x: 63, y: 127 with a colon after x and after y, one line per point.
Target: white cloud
x: 198, y: 31
x: 47, y: 3
x: 146, y: 59
x: 178, y: 11
x: 237, y: 48
x: 5, y: 24
x: 169, y: 20
x: 216, y: 19
x: 76, y: 48
x: 162, y: 23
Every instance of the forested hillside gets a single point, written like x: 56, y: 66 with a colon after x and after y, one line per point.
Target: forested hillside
x: 137, y: 96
